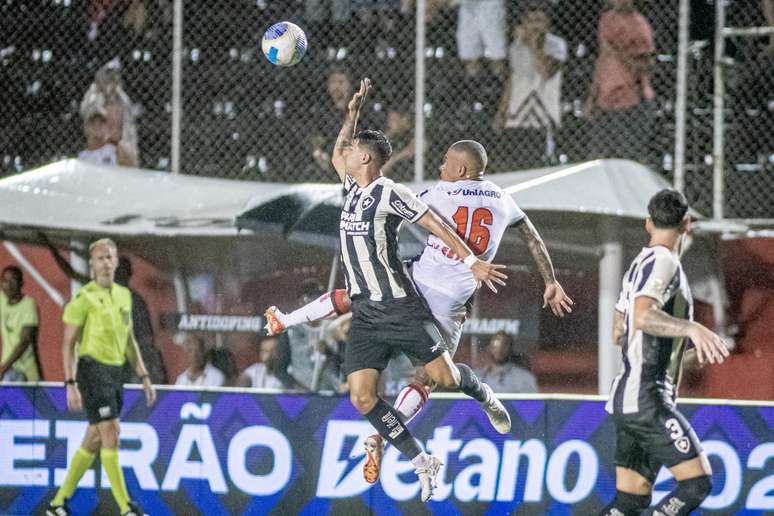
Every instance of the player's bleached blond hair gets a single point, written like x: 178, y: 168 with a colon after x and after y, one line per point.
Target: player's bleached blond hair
x: 102, y: 242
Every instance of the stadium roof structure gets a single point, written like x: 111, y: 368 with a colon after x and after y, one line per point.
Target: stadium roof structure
x: 577, y: 206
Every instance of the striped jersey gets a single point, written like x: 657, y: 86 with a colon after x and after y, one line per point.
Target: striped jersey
x: 651, y: 365
x: 370, y: 220
x: 480, y: 211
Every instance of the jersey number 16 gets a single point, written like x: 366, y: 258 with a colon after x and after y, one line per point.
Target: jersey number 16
x: 475, y: 233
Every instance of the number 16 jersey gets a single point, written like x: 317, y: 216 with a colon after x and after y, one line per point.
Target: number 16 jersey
x: 479, y: 211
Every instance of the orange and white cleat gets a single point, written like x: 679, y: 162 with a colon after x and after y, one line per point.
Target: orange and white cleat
x: 374, y: 446
x: 274, y: 325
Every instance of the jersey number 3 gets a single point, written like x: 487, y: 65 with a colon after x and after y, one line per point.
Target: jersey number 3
x: 475, y: 233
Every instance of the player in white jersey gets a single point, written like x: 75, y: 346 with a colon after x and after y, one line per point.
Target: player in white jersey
x: 653, y: 322
x: 480, y: 211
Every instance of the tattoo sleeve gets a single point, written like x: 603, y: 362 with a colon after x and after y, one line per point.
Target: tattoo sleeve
x: 537, y: 248
x: 658, y: 323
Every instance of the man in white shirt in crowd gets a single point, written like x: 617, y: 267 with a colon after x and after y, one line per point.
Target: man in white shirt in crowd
x: 200, y: 371
x: 506, y: 373
x: 530, y: 108
x: 261, y: 374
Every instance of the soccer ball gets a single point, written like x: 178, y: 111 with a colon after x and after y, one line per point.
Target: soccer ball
x: 284, y: 44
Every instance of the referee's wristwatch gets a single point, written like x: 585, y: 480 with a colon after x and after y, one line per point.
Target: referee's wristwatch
x: 69, y: 382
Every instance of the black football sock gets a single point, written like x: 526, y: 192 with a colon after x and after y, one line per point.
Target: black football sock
x: 470, y: 384
x: 388, y: 423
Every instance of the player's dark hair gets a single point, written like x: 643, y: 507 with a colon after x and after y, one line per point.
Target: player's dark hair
x: 13, y: 269
x: 667, y: 209
x: 475, y: 152
x: 377, y: 142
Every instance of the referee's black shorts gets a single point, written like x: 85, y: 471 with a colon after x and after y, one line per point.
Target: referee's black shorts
x: 101, y: 388
x: 653, y: 437
x: 381, y: 328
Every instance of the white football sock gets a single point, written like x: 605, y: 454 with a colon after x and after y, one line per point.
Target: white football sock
x: 320, y: 308
x: 410, y: 401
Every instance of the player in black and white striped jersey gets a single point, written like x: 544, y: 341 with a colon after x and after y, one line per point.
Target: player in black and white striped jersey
x: 388, y: 313
x: 653, y: 319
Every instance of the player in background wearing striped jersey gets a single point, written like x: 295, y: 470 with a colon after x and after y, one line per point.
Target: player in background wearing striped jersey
x: 481, y: 212
x: 653, y: 319
x: 388, y: 313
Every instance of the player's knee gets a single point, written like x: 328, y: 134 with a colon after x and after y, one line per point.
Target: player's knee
x: 362, y: 401
x: 695, y: 490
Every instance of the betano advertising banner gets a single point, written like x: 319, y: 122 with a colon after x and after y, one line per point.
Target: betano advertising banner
x: 197, y: 452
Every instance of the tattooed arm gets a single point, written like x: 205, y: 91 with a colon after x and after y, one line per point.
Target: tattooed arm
x: 344, y: 142
x: 651, y: 319
x: 554, y: 295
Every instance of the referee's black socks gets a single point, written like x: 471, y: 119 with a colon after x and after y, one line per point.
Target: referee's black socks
x: 388, y: 423
x: 470, y: 384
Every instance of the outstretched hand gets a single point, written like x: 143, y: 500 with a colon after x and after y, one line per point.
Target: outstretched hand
x: 358, y: 99
x: 488, y: 273
x: 555, y: 297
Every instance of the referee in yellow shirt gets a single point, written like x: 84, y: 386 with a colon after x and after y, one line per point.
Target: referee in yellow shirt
x: 99, y: 317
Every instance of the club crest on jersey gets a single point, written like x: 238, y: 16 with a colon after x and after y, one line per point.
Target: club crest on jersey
x: 683, y: 445
x: 366, y: 203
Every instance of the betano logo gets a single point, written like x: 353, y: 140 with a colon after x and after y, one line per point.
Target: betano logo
x: 492, y: 472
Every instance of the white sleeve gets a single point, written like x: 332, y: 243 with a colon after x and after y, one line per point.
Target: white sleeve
x: 655, y: 276
x: 405, y: 204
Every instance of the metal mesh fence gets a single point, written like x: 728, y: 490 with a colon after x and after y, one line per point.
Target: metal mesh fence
x: 539, y: 82
x: 749, y: 114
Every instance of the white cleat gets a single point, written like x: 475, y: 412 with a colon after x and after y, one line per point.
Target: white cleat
x: 495, y: 410
x: 274, y: 325
x: 427, y: 476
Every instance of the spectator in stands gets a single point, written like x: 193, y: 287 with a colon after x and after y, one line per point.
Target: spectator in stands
x: 508, y: 371
x: 142, y: 326
x: 261, y: 374
x: 224, y: 360
x: 622, y: 86
x: 400, y: 131
x: 18, y: 329
x: 328, y: 114
x: 530, y: 107
x: 482, y: 33
x: 107, y: 97
x: 200, y: 371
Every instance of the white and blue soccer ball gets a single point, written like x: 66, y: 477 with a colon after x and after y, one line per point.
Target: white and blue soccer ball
x: 284, y: 44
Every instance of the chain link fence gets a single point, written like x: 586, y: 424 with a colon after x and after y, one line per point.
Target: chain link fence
x: 539, y: 82
x: 749, y: 113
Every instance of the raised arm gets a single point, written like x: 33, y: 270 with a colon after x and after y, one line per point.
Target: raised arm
x: 344, y: 141
x: 483, y: 271
x: 554, y: 295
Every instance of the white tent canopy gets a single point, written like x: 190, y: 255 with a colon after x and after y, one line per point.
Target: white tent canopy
x: 598, y: 204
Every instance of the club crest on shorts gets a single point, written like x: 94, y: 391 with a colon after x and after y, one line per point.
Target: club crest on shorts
x: 366, y: 203
x: 104, y: 411
x: 683, y: 445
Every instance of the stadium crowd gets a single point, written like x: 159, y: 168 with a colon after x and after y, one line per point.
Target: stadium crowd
x: 538, y: 81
